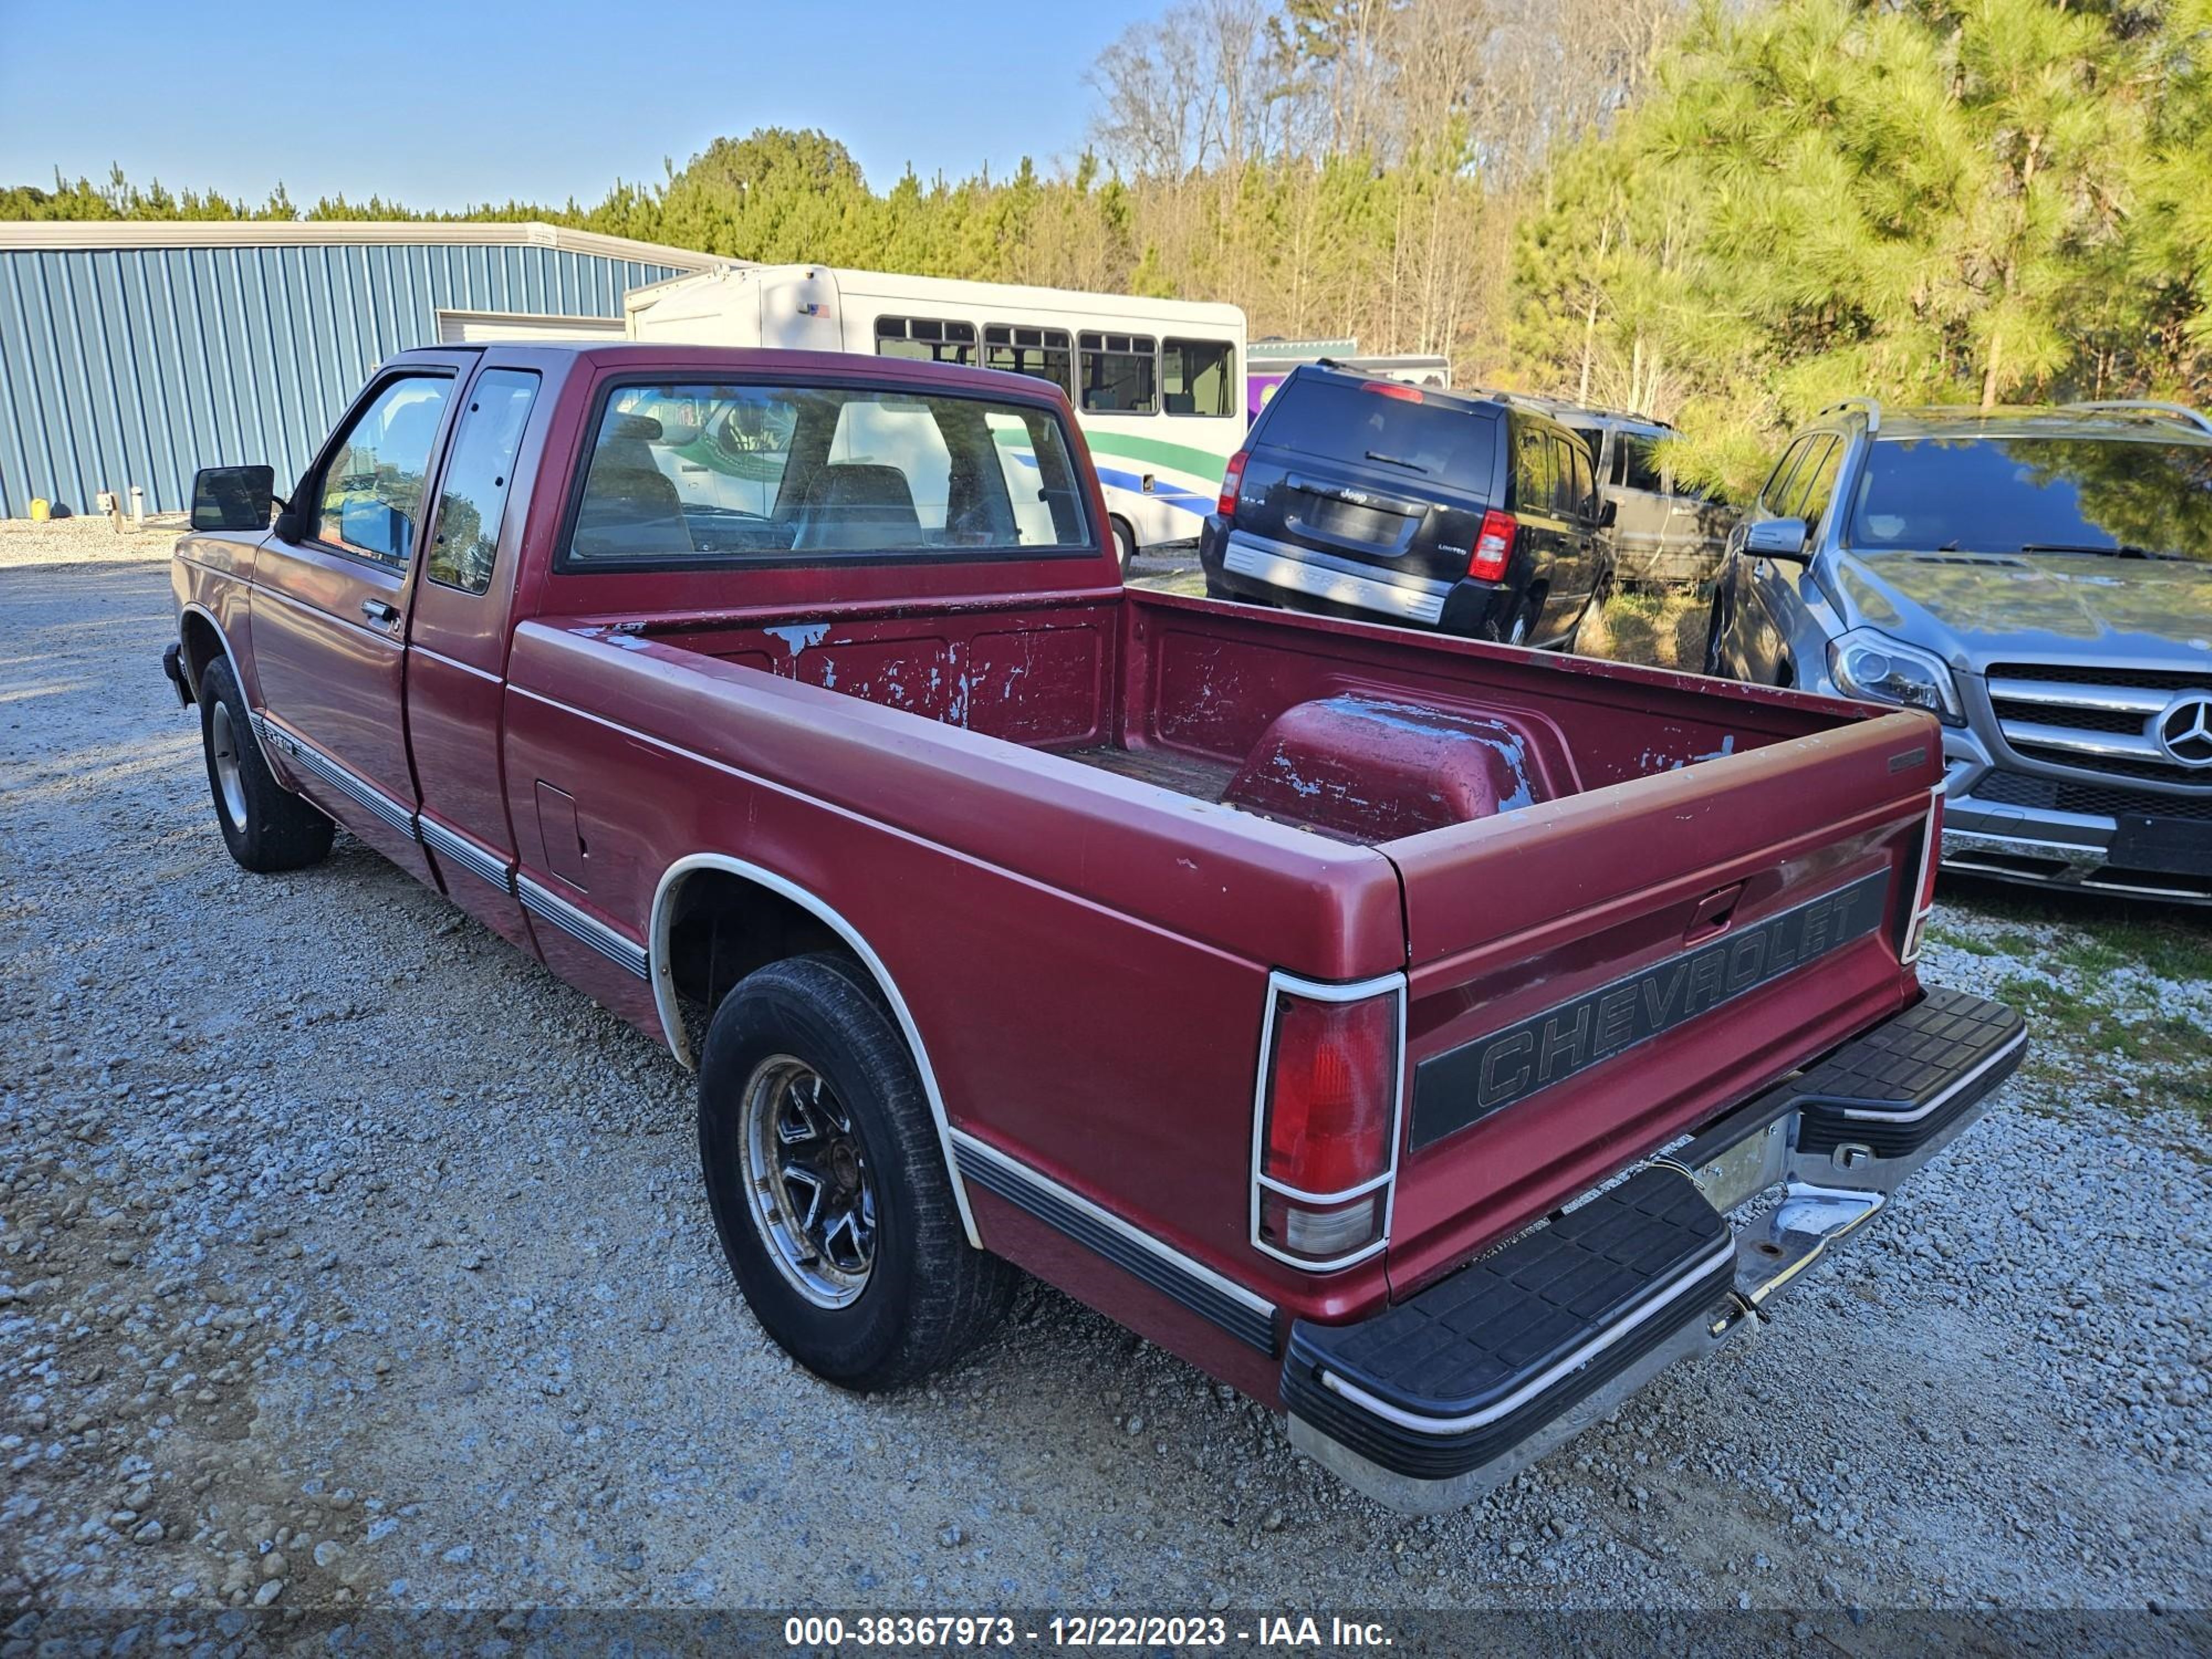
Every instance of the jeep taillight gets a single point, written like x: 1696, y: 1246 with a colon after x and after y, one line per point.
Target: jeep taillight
x: 1494, y: 546
x: 1232, y: 480
x: 1325, y: 1151
x: 1923, y: 895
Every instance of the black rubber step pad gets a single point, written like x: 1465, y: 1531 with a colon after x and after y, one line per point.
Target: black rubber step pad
x: 1907, y: 1062
x: 1475, y: 1338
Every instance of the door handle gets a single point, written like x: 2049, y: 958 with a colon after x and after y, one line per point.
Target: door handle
x: 383, y: 615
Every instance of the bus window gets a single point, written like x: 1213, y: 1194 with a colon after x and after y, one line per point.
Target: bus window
x: 926, y: 340
x: 1042, y: 354
x: 1119, y: 374
x: 1196, y: 376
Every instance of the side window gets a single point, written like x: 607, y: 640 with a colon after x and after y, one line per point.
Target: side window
x: 1813, y: 506
x: 1771, y: 493
x: 1643, y: 467
x: 1121, y: 374
x: 478, y: 478
x: 1531, y: 470
x: 1564, y: 502
x: 926, y: 340
x: 1042, y: 354
x: 1585, y: 497
x: 370, y: 495
x: 1196, y: 377
x: 1798, y: 493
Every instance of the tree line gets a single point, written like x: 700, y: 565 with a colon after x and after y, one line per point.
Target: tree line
x: 1725, y: 215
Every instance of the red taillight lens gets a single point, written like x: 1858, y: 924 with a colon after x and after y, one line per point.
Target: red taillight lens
x: 1494, y: 546
x: 1398, y: 389
x: 1329, y: 1107
x: 1232, y: 479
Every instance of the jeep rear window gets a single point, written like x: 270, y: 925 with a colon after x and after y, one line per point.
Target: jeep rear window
x: 2015, y: 495
x: 1341, y: 421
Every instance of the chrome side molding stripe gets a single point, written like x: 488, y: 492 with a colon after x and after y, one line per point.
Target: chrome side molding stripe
x: 584, y: 928
x: 348, y: 784
x: 460, y: 850
x: 1244, y: 1315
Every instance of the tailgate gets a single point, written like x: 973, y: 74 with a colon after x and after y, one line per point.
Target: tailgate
x: 1589, y: 977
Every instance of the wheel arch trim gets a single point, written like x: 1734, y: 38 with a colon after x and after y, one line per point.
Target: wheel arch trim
x: 194, y: 608
x: 661, y: 972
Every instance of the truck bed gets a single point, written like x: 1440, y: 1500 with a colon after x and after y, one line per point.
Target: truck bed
x: 1362, y: 736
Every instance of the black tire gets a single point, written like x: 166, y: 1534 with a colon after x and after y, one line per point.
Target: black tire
x: 1125, y: 544
x: 266, y: 826
x: 1716, y: 631
x: 926, y: 1295
x: 1517, y: 631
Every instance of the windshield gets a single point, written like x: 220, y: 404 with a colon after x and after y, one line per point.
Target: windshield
x: 2015, y: 494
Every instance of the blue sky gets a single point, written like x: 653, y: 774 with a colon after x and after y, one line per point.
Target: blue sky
x: 440, y: 105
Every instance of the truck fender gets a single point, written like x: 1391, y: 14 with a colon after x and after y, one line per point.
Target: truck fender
x: 196, y: 662
x: 671, y: 1014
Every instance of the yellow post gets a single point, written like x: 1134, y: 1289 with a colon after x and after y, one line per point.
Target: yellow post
x: 40, y: 510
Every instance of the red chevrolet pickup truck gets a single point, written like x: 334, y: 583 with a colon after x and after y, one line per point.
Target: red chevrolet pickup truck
x: 1398, y: 1027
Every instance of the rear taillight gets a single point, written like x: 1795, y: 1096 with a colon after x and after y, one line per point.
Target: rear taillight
x: 1494, y: 546
x: 1924, y: 897
x: 1232, y: 479
x: 1326, y: 1145
x: 1398, y: 389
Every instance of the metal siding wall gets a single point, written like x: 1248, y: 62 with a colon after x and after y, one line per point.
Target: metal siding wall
x: 140, y: 364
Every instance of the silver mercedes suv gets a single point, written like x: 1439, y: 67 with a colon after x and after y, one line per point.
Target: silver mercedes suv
x: 2041, y: 581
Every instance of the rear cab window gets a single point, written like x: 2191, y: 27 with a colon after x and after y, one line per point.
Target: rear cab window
x: 1363, y: 424
x: 698, y: 475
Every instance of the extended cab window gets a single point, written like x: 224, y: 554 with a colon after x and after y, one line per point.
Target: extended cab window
x: 681, y: 476
x: 1196, y: 377
x: 370, y: 496
x: 478, y: 478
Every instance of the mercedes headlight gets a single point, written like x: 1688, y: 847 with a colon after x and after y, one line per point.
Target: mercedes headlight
x: 1867, y: 664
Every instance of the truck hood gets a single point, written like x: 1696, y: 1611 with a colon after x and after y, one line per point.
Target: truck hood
x: 1974, y: 608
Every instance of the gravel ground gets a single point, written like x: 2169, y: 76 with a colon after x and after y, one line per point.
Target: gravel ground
x: 347, y: 1258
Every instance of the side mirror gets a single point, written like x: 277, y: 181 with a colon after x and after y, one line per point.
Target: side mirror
x: 1776, y: 539
x: 233, y: 497
x: 1607, y: 511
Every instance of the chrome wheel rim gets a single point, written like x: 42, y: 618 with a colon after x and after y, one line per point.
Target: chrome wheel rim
x: 229, y: 776
x: 1520, y: 634
x: 807, y: 1182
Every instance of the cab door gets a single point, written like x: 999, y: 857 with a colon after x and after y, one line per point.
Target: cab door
x: 328, y: 606
x: 457, y: 638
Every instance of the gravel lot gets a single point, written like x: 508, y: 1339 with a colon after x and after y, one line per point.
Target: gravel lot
x: 346, y: 1257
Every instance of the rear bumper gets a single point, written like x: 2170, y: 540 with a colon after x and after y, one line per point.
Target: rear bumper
x: 1256, y: 568
x: 1442, y: 1397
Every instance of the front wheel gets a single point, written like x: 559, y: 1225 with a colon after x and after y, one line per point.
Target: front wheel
x: 1717, y: 624
x: 829, y: 1186
x: 266, y: 826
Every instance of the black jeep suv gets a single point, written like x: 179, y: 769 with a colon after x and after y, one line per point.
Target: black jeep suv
x: 1369, y: 498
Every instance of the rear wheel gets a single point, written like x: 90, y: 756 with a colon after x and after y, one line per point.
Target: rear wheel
x: 266, y: 826
x: 1516, y: 632
x: 829, y: 1186
x: 1125, y: 544
x: 1717, y: 625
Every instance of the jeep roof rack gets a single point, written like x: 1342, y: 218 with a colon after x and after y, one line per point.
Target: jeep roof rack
x: 2143, y: 409
x: 1869, y: 407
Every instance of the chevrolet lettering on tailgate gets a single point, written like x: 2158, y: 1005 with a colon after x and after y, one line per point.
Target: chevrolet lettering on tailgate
x: 1468, y: 1083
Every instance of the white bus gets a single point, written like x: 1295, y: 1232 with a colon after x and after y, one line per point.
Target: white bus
x: 1158, y: 385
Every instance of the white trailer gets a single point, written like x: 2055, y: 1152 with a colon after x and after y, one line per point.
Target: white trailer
x: 1157, y: 386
